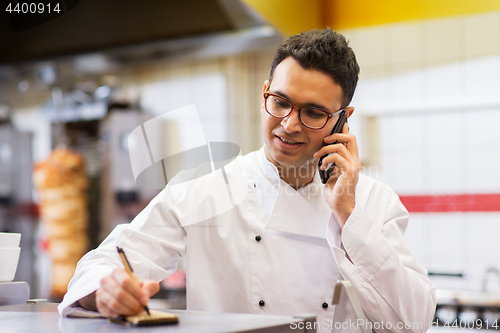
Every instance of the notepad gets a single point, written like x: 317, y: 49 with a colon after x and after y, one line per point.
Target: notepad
x: 143, y: 319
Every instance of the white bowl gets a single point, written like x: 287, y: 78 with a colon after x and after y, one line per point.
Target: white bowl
x: 9, y: 257
x: 9, y: 239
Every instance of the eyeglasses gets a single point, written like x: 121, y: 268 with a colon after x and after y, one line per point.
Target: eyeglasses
x: 310, y: 117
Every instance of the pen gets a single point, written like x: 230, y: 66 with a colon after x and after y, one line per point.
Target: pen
x: 128, y: 268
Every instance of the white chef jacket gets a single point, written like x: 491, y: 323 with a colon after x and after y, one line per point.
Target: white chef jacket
x: 293, y: 268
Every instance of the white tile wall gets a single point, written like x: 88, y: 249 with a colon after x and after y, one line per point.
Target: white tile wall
x: 483, y: 233
x: 482, y: 129
x: 445, y: 263
x: 446, y: 132
x: 387, y: 168
x: 446, y: 236
x: 471, y: 84
x: 408, y: 133
x: 351, y: 35
x: 371, y: 96
x: 442, y: 39
x: 482, y: 244
x: 417, y: 236
x: 478, y: 26
x: 386, y: 134
x: 482, y: 81
x: 444, y: 85
x: 482, y: 171
x: 409, y: 174
x: 371, y: 46
x: 407, y: 89
x: 373, y: 71
x: 405, y: 43
x: 356, y: 127
x: 446, y: 171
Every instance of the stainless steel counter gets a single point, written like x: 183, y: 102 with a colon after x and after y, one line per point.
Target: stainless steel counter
x: 45, y: 318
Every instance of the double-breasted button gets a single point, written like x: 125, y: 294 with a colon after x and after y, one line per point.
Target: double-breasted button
x: 262, y: 303
x: 258, y: 238
x: 324, y: 305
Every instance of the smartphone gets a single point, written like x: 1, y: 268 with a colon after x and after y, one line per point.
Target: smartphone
x: 325, y: 174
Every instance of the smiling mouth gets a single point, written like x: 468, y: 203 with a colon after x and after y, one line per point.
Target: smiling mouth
x: 289, y: 142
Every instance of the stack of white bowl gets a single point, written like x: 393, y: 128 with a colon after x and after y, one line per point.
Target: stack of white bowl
x: 9, y: 255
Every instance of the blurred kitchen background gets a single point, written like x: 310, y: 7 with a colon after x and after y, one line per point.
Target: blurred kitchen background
x: 427, y: 114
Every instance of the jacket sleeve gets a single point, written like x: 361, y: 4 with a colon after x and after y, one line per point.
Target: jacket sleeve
x: 392, y: 287
x: 154, y: 242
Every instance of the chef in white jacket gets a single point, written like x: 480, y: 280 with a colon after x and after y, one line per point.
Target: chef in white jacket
x: 263, y: 234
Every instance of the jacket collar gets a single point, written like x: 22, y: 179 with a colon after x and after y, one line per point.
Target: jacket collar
x: 303, y: 212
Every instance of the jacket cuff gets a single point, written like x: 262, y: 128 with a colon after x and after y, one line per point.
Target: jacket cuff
x: 81, y: 288
x: 361, y: 237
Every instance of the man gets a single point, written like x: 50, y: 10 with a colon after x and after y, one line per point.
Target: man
x: 282, y: 249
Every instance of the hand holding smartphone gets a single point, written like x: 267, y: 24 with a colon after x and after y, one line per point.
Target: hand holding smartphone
x: 325, y: 174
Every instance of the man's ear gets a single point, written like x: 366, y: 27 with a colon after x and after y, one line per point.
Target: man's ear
x: 349, y: 110
x: 264, y: 89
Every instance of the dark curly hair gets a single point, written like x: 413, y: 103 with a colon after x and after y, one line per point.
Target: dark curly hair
x: 326, y: 51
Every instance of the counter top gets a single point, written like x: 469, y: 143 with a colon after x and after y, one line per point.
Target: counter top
x: 45, y: 318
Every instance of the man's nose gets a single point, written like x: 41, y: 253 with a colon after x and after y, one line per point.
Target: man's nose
x: 292, y: 123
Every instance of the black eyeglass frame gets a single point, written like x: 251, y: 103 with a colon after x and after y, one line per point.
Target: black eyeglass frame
x: 300, y: 107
